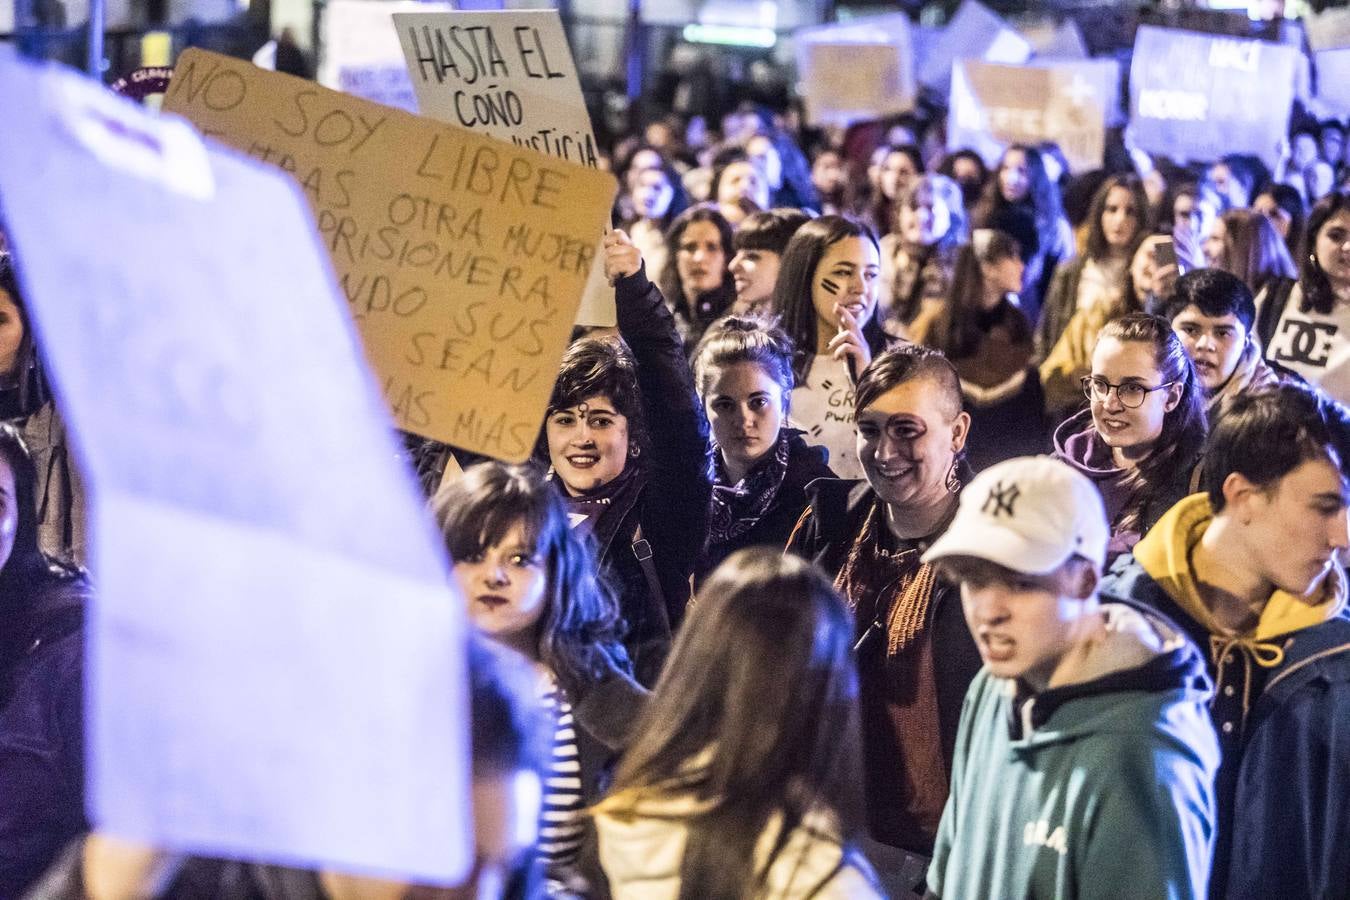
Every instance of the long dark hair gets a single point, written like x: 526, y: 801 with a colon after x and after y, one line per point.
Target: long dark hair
x: 959, y: 335
x: 792, y: 290
x: 769, y: 729
x: 32, y: 384
x: 1042, y: 196
x: 1184, y: 427
x: 1254, y: 250
x: 671, y: 285
x: 1097, y: 245
x: 580, y: 626
x: 883, y: 207
x: 1290, y: 202
x: 1317, y: 293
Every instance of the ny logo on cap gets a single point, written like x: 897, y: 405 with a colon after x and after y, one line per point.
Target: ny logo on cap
x: 1001, y: 499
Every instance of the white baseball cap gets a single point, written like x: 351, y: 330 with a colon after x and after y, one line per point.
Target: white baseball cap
x: 1028, y: 514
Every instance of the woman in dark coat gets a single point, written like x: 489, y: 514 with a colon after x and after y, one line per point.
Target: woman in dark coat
x: 760, y: 466
x: 41, y: 672
x: 627, y: 443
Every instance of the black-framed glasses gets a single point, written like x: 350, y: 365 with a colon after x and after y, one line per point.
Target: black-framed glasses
x: 1131, y: 393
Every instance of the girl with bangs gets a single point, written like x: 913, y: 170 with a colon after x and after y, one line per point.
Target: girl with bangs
x: 530, y: 583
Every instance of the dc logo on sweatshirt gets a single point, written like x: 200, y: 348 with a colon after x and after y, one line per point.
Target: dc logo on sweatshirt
x: 1304, y: 342
x: 1038, y: 834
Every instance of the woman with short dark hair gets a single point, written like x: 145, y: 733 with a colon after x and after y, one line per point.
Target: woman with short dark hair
x: 627, y: 444
x: 915, y: 655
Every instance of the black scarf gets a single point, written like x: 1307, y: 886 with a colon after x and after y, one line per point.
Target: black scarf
x: 590, y: 512
x: 736, y: 508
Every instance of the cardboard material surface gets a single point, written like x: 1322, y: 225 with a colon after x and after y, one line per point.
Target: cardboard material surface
x: 509, y: 75
x: 462, y: 258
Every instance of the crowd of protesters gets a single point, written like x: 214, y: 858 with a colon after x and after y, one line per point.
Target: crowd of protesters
x: 921, y: 528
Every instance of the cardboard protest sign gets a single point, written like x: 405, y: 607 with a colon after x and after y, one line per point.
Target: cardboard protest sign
x: 360, y: 50
x: 975, y: 32
x: 857, y: 71
x: 1051, y: 41
x: 275, y: 660
x: 1201, y: 96
x: 462, y: 258
x: 993, y: 106
x: 1329, y: 29
x: 509, y: 75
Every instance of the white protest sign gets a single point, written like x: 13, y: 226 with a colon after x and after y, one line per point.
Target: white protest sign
x: 859, y: 70
x: 508, y: 75
x: 975, y: 32
x: 275, y: 659
x: 1201, y: 96
x: 361, y: 53
x: 1333, y: 80
x: 1070, y: 103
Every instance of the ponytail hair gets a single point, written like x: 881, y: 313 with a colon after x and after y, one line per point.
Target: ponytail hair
x: 745, y: 339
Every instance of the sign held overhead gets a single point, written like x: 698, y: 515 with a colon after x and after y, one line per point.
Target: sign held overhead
x: 462, y: 258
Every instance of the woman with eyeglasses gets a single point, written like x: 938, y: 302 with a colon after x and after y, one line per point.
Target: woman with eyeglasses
x: 1142, y: 433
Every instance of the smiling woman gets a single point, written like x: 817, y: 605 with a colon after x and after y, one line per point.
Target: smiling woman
x: 1140, y: 439
x: 826, y: 293
x: 915, y: 655
x: 627, y: 445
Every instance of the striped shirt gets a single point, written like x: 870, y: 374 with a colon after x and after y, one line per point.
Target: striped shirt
x: 562, y: 822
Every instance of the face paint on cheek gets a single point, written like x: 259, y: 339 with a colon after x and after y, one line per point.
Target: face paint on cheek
x: 830, y: 287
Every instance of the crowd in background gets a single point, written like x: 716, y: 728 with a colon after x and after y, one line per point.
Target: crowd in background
x: 923, y: 526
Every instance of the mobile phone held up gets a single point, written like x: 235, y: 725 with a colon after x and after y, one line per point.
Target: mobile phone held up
x: 1165, y: 253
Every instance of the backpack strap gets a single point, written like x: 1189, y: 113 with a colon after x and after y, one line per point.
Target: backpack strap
x: 642, y: 549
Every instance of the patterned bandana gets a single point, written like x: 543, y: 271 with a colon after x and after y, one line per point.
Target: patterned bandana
x: 736, y: 508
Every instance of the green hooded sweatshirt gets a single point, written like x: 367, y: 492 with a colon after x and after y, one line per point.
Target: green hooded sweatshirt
x: 1100, y: 788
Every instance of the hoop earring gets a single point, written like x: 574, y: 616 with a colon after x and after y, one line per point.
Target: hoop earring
x: 953, y: 482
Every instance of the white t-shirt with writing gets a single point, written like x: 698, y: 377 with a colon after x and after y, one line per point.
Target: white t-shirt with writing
x: 822, y: 406
x: 1315, y: 346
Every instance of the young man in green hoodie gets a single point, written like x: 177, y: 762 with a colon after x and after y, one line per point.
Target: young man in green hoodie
x: 1085, y: 758
x: 1251, y: 570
